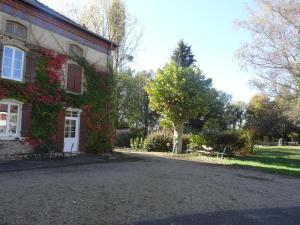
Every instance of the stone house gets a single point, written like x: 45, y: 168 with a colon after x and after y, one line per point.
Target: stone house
x: 28, y: 23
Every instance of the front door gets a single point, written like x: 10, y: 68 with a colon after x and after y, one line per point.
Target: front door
x: 72, y: 126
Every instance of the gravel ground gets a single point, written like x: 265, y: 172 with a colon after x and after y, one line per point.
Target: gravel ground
x: 151, y: 190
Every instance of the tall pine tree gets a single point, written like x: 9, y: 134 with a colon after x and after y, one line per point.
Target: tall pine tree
x: 183, y: 55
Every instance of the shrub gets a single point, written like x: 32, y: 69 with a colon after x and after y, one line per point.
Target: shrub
x: 162, y: 141
x: 159, y: 142
x: 137, y: 143
x: 234, y: 141
x: 123, y: 136
x: 196, y: 141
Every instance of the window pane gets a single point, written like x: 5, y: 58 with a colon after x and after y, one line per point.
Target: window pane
x: 6, y: 72
x: 7, y: 62
x: 73, y: 134
x: 68, y: 113
x: 3, y: 118
x: 74, y: 114
x: 16, y: 29
x: 18, y: 55
x: 8, y: 52
x: 13, y: 119
x: 17, y: 74
x: 76, y: 51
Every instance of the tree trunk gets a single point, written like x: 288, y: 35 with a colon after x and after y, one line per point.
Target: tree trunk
x: 177, y: 139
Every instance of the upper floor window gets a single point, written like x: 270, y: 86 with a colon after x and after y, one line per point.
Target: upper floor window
x: 12, y: 63
x: 75, y: 50
x: 16, y: 29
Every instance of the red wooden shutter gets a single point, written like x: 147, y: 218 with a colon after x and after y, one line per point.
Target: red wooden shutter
x: 78, y: 79
x: 70, y: 80
x: 74, y: 78
x: 60, y: 132
x: 30, y: 70
x: 26, y: 119
x: 1, y: 55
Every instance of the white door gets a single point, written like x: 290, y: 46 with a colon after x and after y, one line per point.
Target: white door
x: 72, y: 127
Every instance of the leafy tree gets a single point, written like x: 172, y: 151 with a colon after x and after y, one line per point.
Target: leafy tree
x: 178, y: 94
x: 272, y: 51
x: 182, y: 54
x: 234, y: 115
x: 211, y: 116
x: 110, y: 19
x: 265, y: 120
x: 132, y: 100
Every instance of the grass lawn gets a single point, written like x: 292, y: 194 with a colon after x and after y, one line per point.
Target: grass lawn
x: 282, y: 160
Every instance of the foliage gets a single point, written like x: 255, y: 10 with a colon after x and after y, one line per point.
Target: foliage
x: 232, y: 140
x: 132, y: 100
x: 272, y: 51
x: 158, y: 142
x: 196, y: 141
x: 183, y: 55
x: 123, y: 137
x: 161, y: 141
x: 111, y: 20
x: 213, y: 114
x: 178, y: 94
x: 48, y: 98
x: 99, y: 106
x: 138, y: 143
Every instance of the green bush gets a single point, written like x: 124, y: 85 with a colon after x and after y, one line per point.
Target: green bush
x: 137, y: 143
x: 196, y: 141
x: 123, y: 137
x: 234, y: 141
x: 159, y: 142
x: 162, y: 141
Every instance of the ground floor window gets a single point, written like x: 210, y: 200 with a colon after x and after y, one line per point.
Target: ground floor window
x: 10, y: 113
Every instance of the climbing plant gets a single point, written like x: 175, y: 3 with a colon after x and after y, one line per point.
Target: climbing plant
x: 48, y: 98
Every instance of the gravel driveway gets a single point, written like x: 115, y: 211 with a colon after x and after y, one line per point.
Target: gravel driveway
x: 151, y: 190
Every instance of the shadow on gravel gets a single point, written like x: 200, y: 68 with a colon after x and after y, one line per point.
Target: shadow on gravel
x: 23, y: 165
x: 272, y: 216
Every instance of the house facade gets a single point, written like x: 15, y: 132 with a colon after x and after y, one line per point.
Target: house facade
x: 27, y: 24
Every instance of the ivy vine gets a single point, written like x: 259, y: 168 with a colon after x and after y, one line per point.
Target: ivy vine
x: 48, y: 98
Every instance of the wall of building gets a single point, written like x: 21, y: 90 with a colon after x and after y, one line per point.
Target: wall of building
x: 39, y: 36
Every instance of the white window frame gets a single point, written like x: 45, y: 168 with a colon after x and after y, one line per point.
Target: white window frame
x: 13, y: 63
x: 9, y: 103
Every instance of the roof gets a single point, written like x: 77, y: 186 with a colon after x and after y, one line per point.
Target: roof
x: 40, y: 6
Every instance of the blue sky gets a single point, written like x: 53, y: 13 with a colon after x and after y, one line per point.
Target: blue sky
x: 207, y: 25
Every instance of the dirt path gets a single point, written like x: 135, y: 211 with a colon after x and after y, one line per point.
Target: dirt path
x: 152, y: 190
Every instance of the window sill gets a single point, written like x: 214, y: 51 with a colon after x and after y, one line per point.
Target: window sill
x: 12, y: 138
x: 7, y: 78
x: 75, y: 93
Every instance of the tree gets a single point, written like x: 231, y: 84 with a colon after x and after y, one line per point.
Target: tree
x: 234, y: 115
x: 264, y: 119
x: 272, y: 51
x: 110, y: 19
x: 132, y: 100
x: 211, y: 116
x: 182, y: 54
x: 178, y: 94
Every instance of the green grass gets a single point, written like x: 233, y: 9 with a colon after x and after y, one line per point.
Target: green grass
x: 282, y: 160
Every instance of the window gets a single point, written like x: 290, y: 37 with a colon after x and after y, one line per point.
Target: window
x: 12, y: 63
x: 9, y: 119
x: 75, y: 50
x: 16, y: 29
x: 74, y: 78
